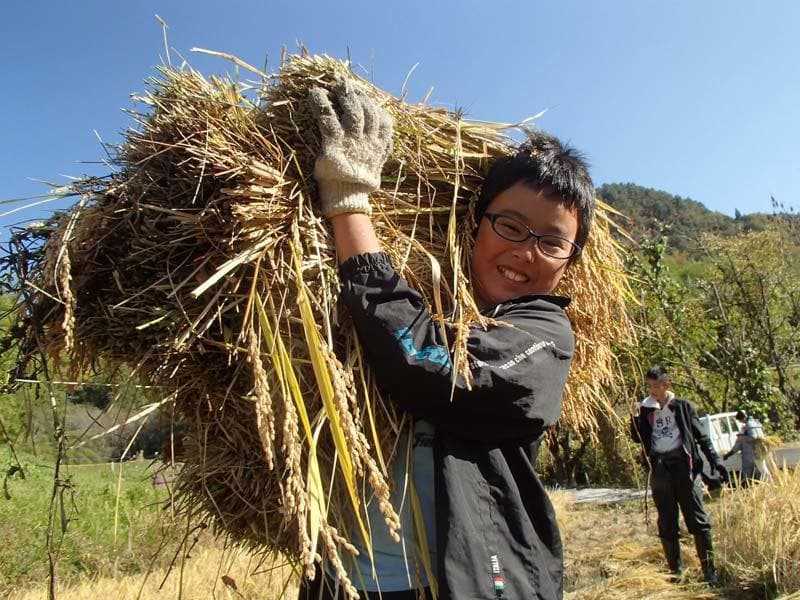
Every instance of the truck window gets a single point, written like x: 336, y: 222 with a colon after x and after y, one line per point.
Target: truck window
x: 723, y: 425
x: 734, y: 424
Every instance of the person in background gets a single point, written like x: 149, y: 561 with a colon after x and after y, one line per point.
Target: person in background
x: 670, y: 433
x: 492, y: 531
x: 747, y: 446
x: 747, y: 443
x: 751, y: 426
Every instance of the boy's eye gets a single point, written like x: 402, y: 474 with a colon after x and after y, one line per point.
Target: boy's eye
x: 553, y: 243
x: 510, y: 228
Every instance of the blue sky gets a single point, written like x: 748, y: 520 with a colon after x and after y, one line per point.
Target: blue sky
x: 700, y: 99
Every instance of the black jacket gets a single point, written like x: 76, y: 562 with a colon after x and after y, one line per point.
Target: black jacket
x: 496, y: 529
x: 694, y: 438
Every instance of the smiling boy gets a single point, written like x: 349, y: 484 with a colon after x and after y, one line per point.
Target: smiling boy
x: 524, y: 219
x: 491, y: 528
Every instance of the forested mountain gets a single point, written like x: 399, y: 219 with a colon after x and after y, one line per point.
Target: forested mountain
x: 686, y: 219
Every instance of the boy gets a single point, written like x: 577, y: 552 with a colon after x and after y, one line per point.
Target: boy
x: 492, y: 530
x: 670, y: 432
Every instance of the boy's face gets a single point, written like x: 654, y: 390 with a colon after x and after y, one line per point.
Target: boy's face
x: 503, y: 270
x: 658, y: 388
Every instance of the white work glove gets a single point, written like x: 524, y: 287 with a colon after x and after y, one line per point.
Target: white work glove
x: 355, y: 144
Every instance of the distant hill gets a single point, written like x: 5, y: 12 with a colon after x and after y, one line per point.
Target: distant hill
x: 647, y: 209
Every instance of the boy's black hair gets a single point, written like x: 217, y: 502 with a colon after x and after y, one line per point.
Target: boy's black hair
x: 741, y: 415
x: 657, y: 373
x: 544, y: 161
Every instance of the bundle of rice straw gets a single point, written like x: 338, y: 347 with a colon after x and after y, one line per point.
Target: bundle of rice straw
x: 200, y: 264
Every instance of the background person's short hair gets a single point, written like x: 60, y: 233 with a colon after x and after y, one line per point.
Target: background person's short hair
x: 657, y: 373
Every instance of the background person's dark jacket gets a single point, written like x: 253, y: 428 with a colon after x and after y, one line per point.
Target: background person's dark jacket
x: 493, y: 515
x: 693, y: 437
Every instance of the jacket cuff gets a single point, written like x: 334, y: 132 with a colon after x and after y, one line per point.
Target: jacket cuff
x: 364, y: 263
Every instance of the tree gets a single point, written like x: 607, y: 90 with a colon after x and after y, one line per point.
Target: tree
x: 153, y: 437
x: 753, y: 286
x: 672, y: 324
x: 730, y: 334
x: 12, y: 410
x: 650, y: 210
x: 98, y: 396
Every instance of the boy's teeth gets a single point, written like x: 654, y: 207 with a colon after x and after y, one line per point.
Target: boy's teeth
x: 513, y: 275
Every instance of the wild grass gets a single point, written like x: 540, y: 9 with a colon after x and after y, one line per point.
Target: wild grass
x: 210, y: 571
x: 112, y: 514
x: 121, y: 540
x: 759, y: 532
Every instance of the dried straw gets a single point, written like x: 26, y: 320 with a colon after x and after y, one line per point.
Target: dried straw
x: 200, y: 264
x: 759, y: 531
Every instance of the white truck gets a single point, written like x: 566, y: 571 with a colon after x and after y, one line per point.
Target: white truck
x: 721, y: 429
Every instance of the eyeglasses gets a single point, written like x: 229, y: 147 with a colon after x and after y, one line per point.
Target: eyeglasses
x: 513, y: 230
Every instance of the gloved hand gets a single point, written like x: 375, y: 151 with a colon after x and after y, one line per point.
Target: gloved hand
x: 355, y: 144
x: 723, y: 473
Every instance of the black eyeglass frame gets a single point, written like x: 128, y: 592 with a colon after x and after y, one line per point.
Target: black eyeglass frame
x: 576, y: 248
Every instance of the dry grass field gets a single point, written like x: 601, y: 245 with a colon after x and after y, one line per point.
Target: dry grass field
x: 612, y: 551
x: 210, y: 571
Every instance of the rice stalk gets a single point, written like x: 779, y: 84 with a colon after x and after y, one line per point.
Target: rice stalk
x: 759, y: 531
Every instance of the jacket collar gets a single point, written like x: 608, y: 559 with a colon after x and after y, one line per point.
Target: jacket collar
x: 651, y: 402
x: 542, y: 301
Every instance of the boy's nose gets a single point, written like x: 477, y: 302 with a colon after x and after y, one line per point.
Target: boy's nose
x: 526, y: 250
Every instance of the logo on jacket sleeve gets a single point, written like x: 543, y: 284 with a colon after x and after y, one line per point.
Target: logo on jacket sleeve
x: 518, y: 358
x: 497, y: 577
x: 433, y: 354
